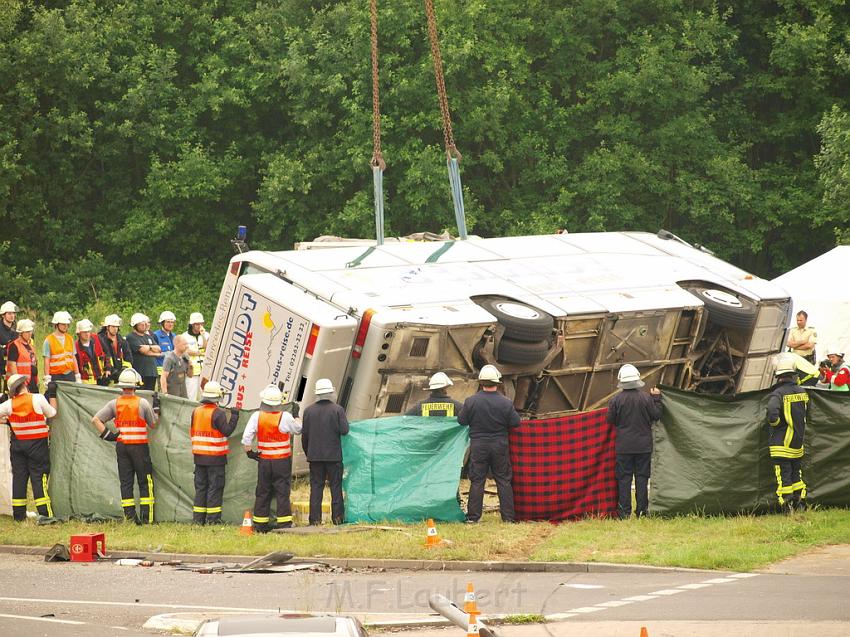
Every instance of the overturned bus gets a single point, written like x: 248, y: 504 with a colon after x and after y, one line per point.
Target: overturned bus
x: 558, y: 314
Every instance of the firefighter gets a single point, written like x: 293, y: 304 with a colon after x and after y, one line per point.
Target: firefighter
x: 164, y: 337
x: 60, y: 362
x: 20, y: 356
x: 273, y: 428
x: 27, y: 415
x: 197, y: 338
x: 438, y: 402
x: 91, y: 359
x: 209, y: 431
x: 786, y: 417
x: 132, y: 415
x: 837, y: 375
x: 632, y: 412
x: 324, y: 425
x: 115, y: 347
x: 489, y: 415
x: 8, y: 312
x: 806, y: 373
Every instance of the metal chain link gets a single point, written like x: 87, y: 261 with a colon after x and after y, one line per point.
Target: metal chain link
x: 448, y: 135
x: 377, y: 156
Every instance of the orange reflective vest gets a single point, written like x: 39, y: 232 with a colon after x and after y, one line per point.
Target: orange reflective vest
x: 26, y: 362
x: 271, y: 443
x: 61, y: 359
x: 132, y: 428
x: 206, y: 439
x: 26, y: 422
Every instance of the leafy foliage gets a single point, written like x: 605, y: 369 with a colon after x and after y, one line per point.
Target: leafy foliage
x: 135, y: 136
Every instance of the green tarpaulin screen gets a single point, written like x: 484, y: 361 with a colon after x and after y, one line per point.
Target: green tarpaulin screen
x: 711, y: 453
x: 404, y: 468
x: 397, y: 468
x: 84, y: 473
x: 710, y: 456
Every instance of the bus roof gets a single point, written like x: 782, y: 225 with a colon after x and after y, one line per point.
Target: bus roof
x: 559, y: 273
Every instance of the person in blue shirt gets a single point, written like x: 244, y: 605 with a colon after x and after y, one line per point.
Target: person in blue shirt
x: 164, y: 338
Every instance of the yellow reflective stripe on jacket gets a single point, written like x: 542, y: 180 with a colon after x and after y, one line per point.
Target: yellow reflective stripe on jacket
x: 785, y: 452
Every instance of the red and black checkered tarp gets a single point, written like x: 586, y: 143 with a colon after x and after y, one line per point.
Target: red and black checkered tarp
x: 564, y: 467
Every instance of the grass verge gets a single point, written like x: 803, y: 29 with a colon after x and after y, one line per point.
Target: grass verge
x: 739, y: 543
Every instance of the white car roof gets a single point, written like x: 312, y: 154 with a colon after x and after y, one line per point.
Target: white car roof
x: 561, y: 274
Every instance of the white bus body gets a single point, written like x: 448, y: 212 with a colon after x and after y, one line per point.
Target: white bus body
x: 558, y: 314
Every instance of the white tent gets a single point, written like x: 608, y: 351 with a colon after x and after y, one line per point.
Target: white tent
x: 821, y: 287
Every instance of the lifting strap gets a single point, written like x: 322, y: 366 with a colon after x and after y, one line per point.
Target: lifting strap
x: 377, y: 161
x: 453, y: 155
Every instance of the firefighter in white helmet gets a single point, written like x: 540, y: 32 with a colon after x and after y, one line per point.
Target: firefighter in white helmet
x: 59, y: 350
x: 26, y: 414
x: 196, y: 341
x: 91, y: 359
x: 787, y: 406
x: 273, y: 428
x: 632, y: 413
x: 115, y: 347
x: 164, y: 337
x: 133, y: 416
x: 8, y: 313
x: 211, y: 425
x: 20, y: 355
x: 324, y: 425
x: 489, y: 416
x: 144, y: 349
x: 438, y: 403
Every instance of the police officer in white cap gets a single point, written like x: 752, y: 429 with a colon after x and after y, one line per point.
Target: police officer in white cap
x: 632, y: 413
x: 489, y: 416
x: 324, y: 425
x: 438, y: 403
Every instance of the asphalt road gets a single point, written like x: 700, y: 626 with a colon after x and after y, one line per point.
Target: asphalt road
x: 37, y: 598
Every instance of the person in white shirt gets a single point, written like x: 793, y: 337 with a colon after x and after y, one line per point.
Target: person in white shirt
x: 27, y: 416
x: 273, y: 428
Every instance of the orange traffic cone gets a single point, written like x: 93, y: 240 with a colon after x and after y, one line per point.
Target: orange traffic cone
x: 247, y: 527
x: 432, y: 539
x: 472, y: 626
x: 644, y: 632
x: 470, y: 606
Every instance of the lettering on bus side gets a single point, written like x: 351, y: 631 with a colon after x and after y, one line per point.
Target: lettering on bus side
x: 238, y: 353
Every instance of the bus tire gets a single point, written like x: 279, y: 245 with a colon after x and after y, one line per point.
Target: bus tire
x: 521, y: 352
x: 522, y: 322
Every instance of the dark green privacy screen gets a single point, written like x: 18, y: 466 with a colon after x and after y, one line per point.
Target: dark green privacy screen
x: 711, y: 453
x: 396, y: 468
x: 84, y: 473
